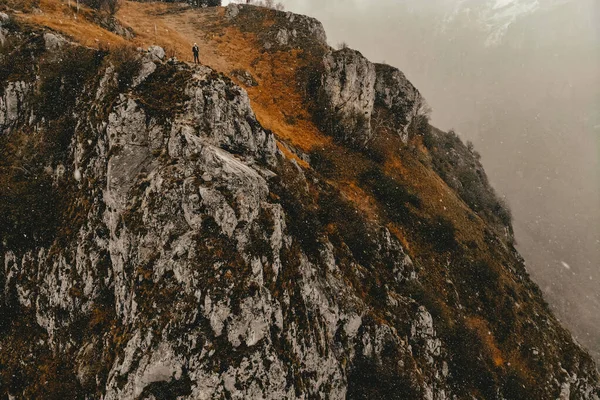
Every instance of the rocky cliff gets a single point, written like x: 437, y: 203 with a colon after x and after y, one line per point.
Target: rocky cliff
x: 157, y: 242
x: 354, y: 94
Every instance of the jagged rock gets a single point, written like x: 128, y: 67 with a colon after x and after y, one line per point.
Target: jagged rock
x: 4, y: 19
x: 357, y: 96
x: 347, y: 96
x: 232, y: 10
x: 14, y: 104
x: 401, y: 100
x: 53, y: 41
x: 308, y: 27
x: 422, y: 329
x: 148, y: 67
x: 113, y: 25
x: 282, y: 37
x: 245, y: 77
x: 157, y: 52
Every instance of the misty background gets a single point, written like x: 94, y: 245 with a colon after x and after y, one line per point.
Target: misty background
x: 522, y: 81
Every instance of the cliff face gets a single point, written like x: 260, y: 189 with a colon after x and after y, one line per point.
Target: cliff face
x: 355, y: 94
x: 158, y: 244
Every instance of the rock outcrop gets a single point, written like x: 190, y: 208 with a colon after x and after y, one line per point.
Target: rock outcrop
x: 398, y: 98
x: 4, y: 20
x: 183, y: 256
x: 359, y: 99
x: 288, y: 30
x: 347, y: 96
x: 13, y: 104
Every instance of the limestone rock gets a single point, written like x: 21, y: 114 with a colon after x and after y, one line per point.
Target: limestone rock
x: 14, y: 104
x: 157, y: 52
x: 53, y: 41
x: 245, y: 77
x: 232, y: 10
x: 347, y: 96
x: 4, y: 19
x: 398, y: 97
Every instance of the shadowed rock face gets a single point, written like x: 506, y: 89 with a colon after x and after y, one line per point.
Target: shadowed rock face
x: 13, y: 103
x: 395, y: 93
x: 192, y: 260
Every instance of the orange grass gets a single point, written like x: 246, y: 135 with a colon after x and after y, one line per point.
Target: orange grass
x: 58, y: 16
x: 483, y: 331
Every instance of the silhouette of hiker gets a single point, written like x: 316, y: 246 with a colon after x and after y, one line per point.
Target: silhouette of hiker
x: 196, y: 51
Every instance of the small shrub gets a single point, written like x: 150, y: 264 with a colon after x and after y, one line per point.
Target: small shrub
x: 351, y: 226
x: 349, y: 128
x: 420, y: 126
x: 302, y: 217
x: 127, y: 64
x: 503, y: 212
x: 109, y: 6
x: 18, y: 58
x: 320, y: 161
x: 290, y: 119
x: 173, y: 389
x: 469, y: 367
x: 162, y: 94
x: 470, y: 146
x: 393, y: 195
x: 28, y: 202
x: 440, y: 234
x: 20, y: 5
x: 63, y: 79
x: 479, y: 281
x: 515, y: 386
x: 381, y: 377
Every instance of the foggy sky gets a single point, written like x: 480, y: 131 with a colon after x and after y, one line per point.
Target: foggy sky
x: 531, y: 105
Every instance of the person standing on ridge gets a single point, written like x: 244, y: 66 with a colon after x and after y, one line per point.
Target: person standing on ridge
x: 196, y: 51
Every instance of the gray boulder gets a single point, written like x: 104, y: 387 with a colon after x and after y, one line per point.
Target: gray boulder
x: 232, y: 11
x: 53, y: 41
x: 156, y: 52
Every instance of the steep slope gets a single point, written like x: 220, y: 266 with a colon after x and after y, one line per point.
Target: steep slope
x: 168, y: 234
x: 530, y: 104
